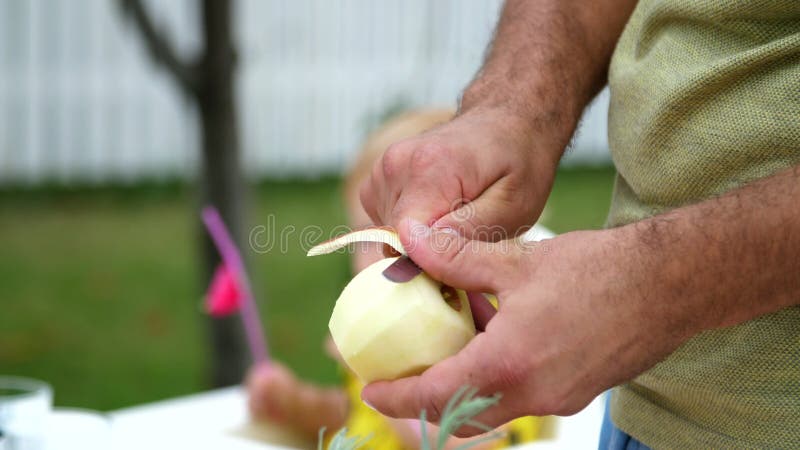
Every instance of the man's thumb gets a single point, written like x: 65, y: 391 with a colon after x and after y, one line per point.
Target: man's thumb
x: 447, y: 256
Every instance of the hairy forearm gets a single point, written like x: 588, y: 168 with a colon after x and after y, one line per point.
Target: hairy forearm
x: 725, y: 260
x: 548, y: 59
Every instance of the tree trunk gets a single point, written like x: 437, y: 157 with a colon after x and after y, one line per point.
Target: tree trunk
x: 222, y: 182
x: 211, y: 83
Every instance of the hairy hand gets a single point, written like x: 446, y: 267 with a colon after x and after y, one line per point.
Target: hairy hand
x: 575, y: 318
x: 481, y: 169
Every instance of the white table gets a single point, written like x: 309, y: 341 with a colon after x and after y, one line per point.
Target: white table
x: 209, y: 420
x: 218, y: 419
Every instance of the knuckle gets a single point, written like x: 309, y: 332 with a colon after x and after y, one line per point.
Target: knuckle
x: 450, y: 260
x: 365, y: 191
x: 509, y: 374
x: 466, y: 432
x: 392, y: 159
x: 568, y: 409
x: 550, y: 403
x: 563, y: 401
x: 427, y: 155
x: 429, y: 402
x: 367, y: 197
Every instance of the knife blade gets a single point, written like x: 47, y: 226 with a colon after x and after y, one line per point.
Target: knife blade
x: 402, y: 270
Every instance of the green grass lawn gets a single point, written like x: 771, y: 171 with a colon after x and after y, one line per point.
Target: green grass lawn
x: 101, y: 293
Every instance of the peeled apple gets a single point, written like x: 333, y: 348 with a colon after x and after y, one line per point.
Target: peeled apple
x: 385, y: 329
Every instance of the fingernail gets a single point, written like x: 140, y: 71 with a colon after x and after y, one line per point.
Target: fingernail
x: 369, y: 405
x: 446, y: 230
x: 366, y: 402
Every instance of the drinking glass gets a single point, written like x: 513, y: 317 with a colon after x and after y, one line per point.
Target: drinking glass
x: 25, y: 405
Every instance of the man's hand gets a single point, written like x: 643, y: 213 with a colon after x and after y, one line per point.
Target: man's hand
x: 478, y: 170
x: 585, y: 311
x: 569, y: 325
x: 548, y: 59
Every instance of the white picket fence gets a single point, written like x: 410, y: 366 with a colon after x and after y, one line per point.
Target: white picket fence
x: 81, y: 102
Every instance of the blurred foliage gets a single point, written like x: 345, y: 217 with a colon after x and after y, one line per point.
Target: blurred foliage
x: 100, y: 290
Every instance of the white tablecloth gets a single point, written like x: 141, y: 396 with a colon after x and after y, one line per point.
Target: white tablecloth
x: 218, y: 419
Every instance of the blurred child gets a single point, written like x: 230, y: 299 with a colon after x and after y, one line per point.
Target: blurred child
x: 277, y: 395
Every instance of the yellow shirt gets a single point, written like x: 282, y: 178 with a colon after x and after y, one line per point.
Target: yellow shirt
x: 363, y: 421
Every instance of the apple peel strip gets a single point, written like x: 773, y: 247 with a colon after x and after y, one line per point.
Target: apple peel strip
x: 382, y: 235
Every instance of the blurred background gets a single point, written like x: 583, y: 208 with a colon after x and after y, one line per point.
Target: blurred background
x: 120, y: 118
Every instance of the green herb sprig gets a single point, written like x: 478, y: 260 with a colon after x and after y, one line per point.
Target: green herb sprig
x: 341, y: 441
x: 460, y: 410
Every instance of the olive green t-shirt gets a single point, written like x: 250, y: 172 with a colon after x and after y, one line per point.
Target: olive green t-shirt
x: 705, y: 97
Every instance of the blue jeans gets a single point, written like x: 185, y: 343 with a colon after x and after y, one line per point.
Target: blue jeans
x: 612, y: 438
